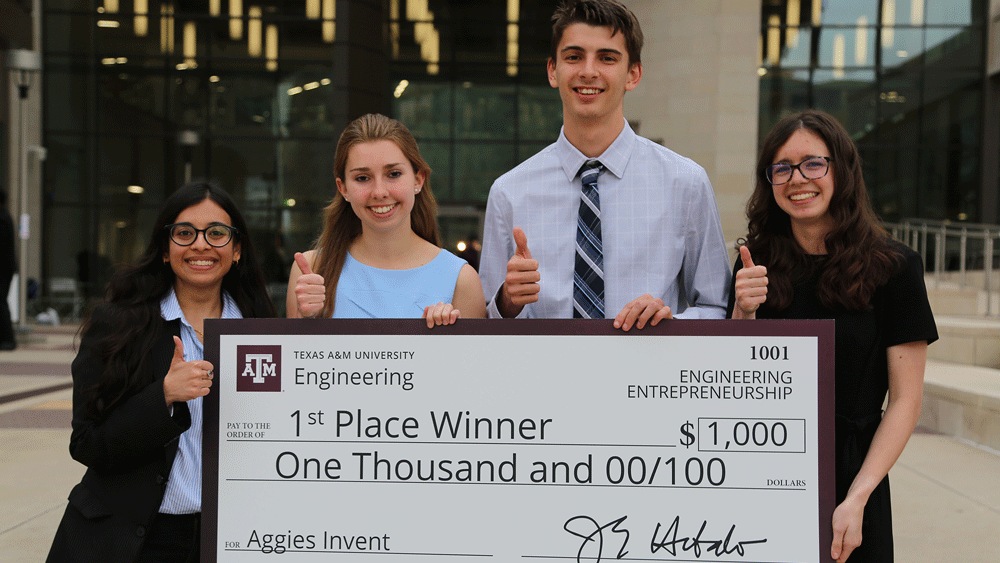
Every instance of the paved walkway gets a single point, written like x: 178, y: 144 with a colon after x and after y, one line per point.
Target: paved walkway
x: 946, y: 493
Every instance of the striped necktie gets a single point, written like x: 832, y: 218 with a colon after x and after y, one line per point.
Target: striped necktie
x: 588, y: 274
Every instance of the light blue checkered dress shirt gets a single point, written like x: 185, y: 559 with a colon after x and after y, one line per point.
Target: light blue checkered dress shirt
x: 661, y: 229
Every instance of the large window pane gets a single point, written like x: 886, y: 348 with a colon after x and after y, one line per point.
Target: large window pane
x: 904, y: 12
x: 245, y: 104
x: 901, y: 46
x: 781, y: 92
x: 123, y: 231
x: 125, y: 161
x: 68, y: 33
x: 75, y: 257
x: 793, y: 46
x: 952, y: 117
x: 485, y: 112
x: 840, y: 12
x: 425, y: 108
x: 306, y: 102
x: 437, y: 154
x: 952, y: 12
x: 848, y: 96
x: 68, y: 168
x: 481, y: 164
x: 841, y: 47
x: 305, y: 172
x: 899, y: 98
x: 540, y: 112
x: 248, y: 170
x: 954, y: 47
x: 131, y: 101
x: 67, y: 113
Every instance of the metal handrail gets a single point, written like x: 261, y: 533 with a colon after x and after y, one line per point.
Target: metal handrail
x: 964, y: 248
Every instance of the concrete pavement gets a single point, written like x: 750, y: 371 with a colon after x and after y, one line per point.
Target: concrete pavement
x: 946, y: 491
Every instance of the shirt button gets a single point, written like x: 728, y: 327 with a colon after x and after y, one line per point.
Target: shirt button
x: 140, y: 531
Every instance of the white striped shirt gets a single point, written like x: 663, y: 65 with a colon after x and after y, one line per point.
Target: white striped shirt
x: 183, y: 494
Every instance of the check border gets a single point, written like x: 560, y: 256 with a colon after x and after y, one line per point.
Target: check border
x: 822, y: 330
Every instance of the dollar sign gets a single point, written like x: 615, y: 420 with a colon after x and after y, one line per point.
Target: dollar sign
x: 688, y: 437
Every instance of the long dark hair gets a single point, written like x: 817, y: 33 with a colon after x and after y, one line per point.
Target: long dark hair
x: 859, y: 256
x: 134, y: 293
x: 341, y: 225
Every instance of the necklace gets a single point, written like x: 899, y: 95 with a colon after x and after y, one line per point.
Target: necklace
x: 201, y: 335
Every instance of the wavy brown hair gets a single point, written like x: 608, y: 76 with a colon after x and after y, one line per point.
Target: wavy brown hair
x: 341, y: 226
x: 859, y: 256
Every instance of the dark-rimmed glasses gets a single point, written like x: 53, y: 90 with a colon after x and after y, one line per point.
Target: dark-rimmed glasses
x: 184, y: 234
x: 811, y: 169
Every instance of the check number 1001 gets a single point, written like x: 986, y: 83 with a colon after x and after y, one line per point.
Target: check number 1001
x: 751, y: 435
x: 769, y: 352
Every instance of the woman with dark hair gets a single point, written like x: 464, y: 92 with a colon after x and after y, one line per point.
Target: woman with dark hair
x: 138, y: 380
x: 815, y: 250
x: 379, y: 255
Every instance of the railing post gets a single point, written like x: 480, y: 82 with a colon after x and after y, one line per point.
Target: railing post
x: 963, y: 242
x: 938, y: 254
x: 988, y: 263
x: 938, y: 239
x: 923, y: 242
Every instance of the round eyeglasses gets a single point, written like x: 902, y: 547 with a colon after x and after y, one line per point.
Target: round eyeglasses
x: 811, y: 169
x: 184, y: 234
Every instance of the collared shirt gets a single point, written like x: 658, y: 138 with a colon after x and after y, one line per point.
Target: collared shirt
x: 183, y: 493
x: 661, y: 229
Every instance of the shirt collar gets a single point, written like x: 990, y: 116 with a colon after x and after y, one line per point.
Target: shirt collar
x: 614, y: 158
x: 170, y: 308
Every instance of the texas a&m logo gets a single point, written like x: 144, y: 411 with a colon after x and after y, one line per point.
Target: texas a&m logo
x: 258, y: 368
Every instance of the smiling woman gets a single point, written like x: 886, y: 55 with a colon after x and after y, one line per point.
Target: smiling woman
x: 139, y: 379
x: 378, y: 255
x: 815, y: 250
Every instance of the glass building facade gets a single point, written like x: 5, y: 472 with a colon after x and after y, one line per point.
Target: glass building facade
x: 141, y: 95
x: 907, y: 80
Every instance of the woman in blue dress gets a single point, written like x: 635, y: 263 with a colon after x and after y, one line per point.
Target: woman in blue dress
x: 378, y: 255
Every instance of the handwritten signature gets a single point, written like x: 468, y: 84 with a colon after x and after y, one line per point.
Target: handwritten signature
x: 670, y: 541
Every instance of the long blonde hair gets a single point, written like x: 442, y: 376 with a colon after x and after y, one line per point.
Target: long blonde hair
x: 341, y: 226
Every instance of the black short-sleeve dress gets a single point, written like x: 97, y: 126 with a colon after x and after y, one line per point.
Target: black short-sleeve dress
x: 899, y: 313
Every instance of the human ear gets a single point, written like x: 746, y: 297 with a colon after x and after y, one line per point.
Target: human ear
x: 420, y: 181
x: 551, y: 67
x: 634, y: 76
x: 342, y: 189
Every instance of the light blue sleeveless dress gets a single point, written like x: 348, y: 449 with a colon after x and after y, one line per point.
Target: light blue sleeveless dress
x: 364, y: 292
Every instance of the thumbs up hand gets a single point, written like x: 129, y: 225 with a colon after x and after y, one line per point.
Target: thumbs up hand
x: 750, y: 287
x: 310, y: 289
x: 520, y: 287
x: 186, y: 380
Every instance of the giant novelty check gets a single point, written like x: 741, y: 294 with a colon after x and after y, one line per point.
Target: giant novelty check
x: 518, y: 441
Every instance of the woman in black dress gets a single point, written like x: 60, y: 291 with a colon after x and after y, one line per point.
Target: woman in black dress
x: 814, y: 249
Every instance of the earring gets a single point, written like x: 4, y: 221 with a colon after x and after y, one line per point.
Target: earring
x: 416, y: 190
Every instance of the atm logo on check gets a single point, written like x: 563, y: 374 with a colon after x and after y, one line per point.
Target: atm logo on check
x: 259, y: 368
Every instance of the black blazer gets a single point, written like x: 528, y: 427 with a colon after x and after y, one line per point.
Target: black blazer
x: 128, y: 455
